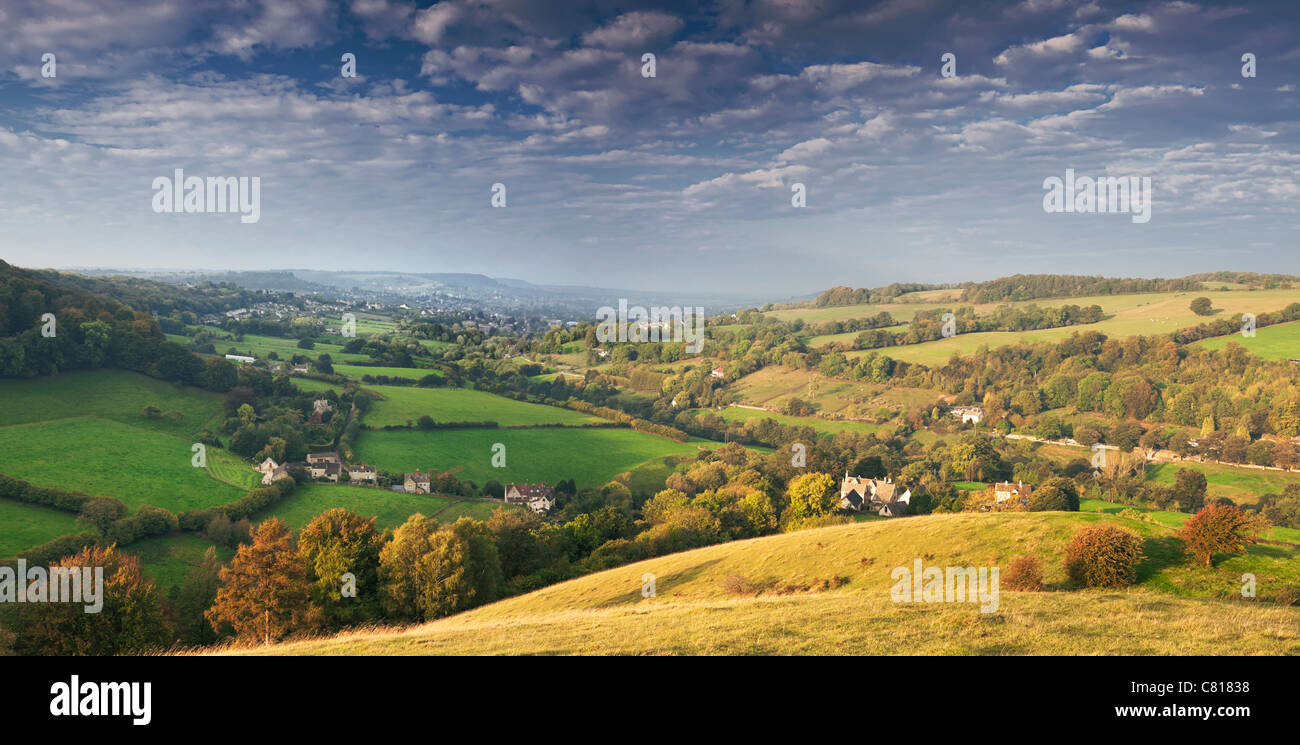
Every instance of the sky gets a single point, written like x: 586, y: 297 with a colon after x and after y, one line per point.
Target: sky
x: 681, y: 180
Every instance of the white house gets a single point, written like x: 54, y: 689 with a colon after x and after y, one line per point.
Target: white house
x: 972, y: 414
x: 363, y: 473
x: 1002, y: 491
x: 540, y: 498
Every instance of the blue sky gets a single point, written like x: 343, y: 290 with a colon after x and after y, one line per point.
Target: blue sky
x: 681, y: 180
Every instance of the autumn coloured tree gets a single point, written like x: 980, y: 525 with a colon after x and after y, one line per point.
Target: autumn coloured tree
x: 264, y: 592
x: 129, y: 621
x: 1218, y: 529
x: 341, y: 551
x: 428, y: 571
x: 1103, y: 556
x: 811, y: 495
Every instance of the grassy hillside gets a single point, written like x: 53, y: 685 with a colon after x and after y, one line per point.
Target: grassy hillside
x: 589, y: 456
x: 737, y: 414
x: 1279, y: 342
x: 105, y: 457
x: 827, y: 591
x: 773, y: 386
x: 1127, y: 315
x: 109, y: 394
x: 401, y: 404
x: 25, y: 525
x: 360, y: 371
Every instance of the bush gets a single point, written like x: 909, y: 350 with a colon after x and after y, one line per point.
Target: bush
x: 50, y: 552
x: 67, y: 501
x: 1218, y: 529
x: 1103, y: 556
x: 1025, y: 574
x: 735, y: 584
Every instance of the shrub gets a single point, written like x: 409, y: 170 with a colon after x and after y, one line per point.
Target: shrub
x: 1218, y: 529
x: 737, y: 585
x: 1103, y: 556
x: 1025, y: 574
x: 51, y: 551
x: 1133, y: 514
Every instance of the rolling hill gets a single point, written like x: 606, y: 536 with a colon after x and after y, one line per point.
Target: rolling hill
x: 827, y: 591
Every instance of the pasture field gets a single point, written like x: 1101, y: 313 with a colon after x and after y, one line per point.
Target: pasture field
x: 772, y: 386
x: 737, y: 414
x: 366, y: 323
x: 105, y: 457
x: 1176, y: 520
x: 168, y: 559
x: 1277, y: 342
x: 310, y: 385
x: 1127, y: 315
x: 1241, y: 485
x: 359, y: 371
x: 589, y: 456
x: 258, y: 346
x: 401, y: 403
x: 230, y: 468
x: 774, y: 595
x: 901, y: 312
x: 109, y: 394
x: 389, y: 508
x: 23, y: 526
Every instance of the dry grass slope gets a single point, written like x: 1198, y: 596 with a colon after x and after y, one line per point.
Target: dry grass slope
x: 788, y: 603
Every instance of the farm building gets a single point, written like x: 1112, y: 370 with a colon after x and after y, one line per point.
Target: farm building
x: 539, y: 497
x: 418, y: 483
x: 875, y: 495
x: 1004, y: 491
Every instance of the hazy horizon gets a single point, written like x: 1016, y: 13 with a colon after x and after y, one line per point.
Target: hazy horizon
x: 681, y: 180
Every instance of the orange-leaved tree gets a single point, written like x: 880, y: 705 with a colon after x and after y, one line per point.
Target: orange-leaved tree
x: 1218, y: 529
x: 264, y: 592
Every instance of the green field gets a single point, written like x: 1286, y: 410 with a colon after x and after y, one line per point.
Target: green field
x: 169, y: 558
x: 1241, y: 485
x: 737, y: 414
x: 230, y: 468
x: 285, y: 349
x: 108, y: 394
x: 359, y: 371
x: 366, y: 323
x: 1176, y: 520
x: 105, y: 457
x: 1127, y: 315
x: 313, y: 386
x: 27, y: 525
x: 390, y: 508
x: 402, y: 403
x: 1279, y: 342
x: 787, y: 605
x: 589, y: 456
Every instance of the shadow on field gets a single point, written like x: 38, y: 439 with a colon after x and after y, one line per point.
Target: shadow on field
x: 664, y: 585
x: 1159, y: 552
